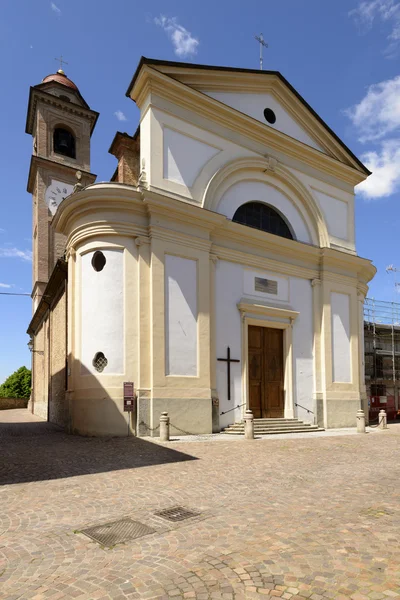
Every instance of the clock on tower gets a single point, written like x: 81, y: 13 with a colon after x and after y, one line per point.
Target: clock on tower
x: 55, y: 193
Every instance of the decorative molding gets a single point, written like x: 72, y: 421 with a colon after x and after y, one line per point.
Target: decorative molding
x: 283, y: 180
x: 254, y: 308
x: 271, y: 163
x: 143, y: 184
x: 337, y: 162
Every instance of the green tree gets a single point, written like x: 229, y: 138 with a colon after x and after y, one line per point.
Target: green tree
x: 17, y: 385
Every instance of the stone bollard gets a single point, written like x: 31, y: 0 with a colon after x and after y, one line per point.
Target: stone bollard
x: 249, y: 425
x: 164, y: 427
x: 360, y: 421
x: 382, y: 419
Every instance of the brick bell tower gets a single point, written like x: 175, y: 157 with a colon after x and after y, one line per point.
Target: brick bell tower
x: 61, y: 124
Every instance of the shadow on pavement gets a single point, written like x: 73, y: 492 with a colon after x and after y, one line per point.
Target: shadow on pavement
x: 37, y: 451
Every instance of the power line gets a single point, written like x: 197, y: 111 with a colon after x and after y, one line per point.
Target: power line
x: 13, y: 294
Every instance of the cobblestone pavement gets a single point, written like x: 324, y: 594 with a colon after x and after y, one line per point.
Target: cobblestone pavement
x: 300, y: 518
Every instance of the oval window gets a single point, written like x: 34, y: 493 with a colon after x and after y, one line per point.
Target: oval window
x: 269, y: 115
x: 100, y: 362
x: 98, y: 261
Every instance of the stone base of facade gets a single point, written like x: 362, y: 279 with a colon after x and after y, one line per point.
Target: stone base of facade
x: 105, y: 416
x: 188, y: 416
x: 341, y: 413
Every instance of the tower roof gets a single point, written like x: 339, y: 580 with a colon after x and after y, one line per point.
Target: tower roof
x: 60, y: 77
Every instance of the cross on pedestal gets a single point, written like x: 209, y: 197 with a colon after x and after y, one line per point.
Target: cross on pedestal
x: 228, y: 361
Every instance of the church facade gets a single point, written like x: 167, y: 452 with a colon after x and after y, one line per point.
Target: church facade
x: 217, y: 270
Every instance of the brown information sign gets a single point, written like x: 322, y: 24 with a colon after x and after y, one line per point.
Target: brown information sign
x: 129, y: 405
x: 129, y: 389
x: 129, y: 396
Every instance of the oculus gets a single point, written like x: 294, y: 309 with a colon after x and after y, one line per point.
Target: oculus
x: 269, y: 116
x: 98, y: 261
x: 264, y: 217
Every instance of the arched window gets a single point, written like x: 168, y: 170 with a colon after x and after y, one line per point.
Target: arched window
x: 64, y: 142
x: 264, y: 217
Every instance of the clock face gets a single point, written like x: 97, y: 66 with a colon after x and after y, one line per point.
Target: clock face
x: 55, y: 193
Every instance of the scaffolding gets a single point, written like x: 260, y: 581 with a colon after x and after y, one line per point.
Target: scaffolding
x: 382, y: 352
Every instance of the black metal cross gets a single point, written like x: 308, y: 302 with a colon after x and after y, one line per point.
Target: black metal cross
x: 61, y: 61
x: 228, y: 361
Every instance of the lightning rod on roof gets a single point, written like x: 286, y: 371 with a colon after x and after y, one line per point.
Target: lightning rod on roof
x: 263, y: 44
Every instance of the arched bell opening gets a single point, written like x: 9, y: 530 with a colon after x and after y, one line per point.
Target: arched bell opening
x: 64, y: 142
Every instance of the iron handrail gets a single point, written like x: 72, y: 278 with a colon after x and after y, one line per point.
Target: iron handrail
x: 231, y: 409
x: 304, y: 408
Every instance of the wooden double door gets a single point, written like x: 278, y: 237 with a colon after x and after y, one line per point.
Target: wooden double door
x: 266, y: 398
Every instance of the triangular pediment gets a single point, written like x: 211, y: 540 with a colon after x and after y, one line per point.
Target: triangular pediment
x: 250, y: 92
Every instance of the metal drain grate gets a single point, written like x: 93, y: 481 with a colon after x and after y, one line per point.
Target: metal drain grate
x: 177, y: 513
x: 117, y: 532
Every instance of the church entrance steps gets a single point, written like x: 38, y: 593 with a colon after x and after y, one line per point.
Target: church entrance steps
x: 273, y: 426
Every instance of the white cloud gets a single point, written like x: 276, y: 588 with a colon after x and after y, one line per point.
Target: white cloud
x: 16, y: 253
x: 5, y: 285
x: 385, y: 11
x: 120, y: 115
x: 376, y: 120
x: 55, y: 8
x: 183, y: 41
x: 378, y: 113
x: 385, y: 166
x: 2, y: 230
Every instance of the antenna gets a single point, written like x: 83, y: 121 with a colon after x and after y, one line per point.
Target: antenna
x: 394, y: 270
x: 263, y: 44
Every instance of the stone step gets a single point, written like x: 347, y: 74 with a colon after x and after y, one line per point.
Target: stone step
x: 311, y: 429
x: 271, y: 425
x: 283, y: 422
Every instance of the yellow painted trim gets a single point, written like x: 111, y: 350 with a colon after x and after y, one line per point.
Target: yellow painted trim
x: 152, y: 82
x: 267, y: 311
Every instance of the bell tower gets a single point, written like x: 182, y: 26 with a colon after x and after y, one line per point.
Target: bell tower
x: 61, y: 124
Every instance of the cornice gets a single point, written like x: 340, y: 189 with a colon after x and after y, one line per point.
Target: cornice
x: 53, y: 165
x: 263, y: 262
x: 179, y: 238
x: 257, y: 308
x: 153, y: 82
x: 362, y: 267
x: 96, y: 197
x: 36, y: 96
x: 229, y: 241
x: 101, y: 228
x: 189, y: 213
x: 267, y: 242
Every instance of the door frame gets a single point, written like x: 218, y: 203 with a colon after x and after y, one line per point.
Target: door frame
x: 275, y: 318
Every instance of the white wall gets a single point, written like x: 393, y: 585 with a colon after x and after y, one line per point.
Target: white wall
x: 303, y: 338
x: 335, y: 213
x: 341, y: 359
x: 102, y: 298
x: 181, y: 316
x: 229, y: 290
x: 254, y: 105
x: 184, y: 157
x: 233, y: 282
x: 248, y: 191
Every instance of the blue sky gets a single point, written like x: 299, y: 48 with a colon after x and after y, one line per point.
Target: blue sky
x: 341, y: 55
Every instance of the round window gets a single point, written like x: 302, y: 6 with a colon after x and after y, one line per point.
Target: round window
x: 270, y: 116
x: 98, y: 261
